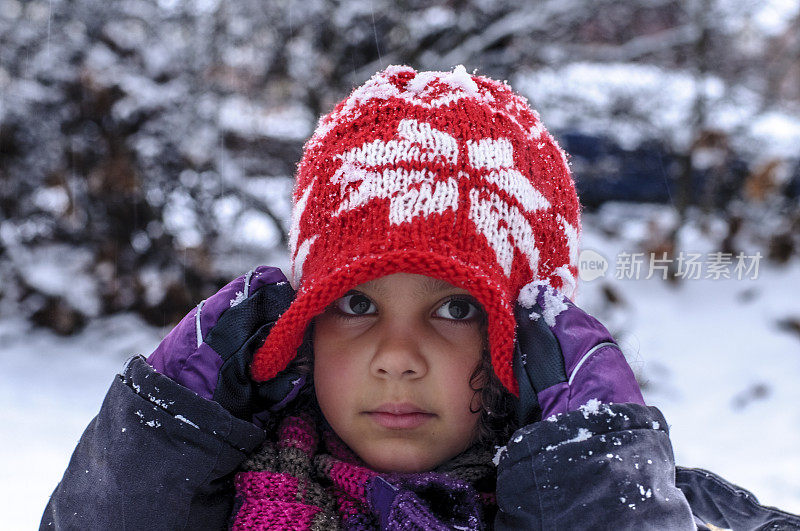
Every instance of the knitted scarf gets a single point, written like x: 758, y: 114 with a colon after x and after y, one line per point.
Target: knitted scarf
x: 307, y: 478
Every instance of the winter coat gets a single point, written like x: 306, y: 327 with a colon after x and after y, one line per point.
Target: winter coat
x: 158, y: 456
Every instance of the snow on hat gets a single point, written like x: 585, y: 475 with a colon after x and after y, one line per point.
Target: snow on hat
x: 443, y: 174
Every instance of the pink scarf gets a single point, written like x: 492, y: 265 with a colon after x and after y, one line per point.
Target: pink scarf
x: 294, y: 482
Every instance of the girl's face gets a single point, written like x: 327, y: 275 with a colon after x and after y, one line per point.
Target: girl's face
x: 392, y: 365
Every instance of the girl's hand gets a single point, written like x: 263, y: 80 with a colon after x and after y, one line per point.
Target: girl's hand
x: 210, y: 350
x: 564, y: 357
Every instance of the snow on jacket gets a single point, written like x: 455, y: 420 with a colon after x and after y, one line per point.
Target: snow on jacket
x: 158, y: 456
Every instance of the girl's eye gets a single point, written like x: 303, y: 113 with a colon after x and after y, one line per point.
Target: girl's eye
x: 457, y: 309
x: 355, y: 304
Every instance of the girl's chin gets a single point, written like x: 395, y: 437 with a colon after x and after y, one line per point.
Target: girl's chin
x: 403, y: 456
x: 392, y: 462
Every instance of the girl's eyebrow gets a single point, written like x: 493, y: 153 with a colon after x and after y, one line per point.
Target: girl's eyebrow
x: 433, y: 285
x: 428, y: 286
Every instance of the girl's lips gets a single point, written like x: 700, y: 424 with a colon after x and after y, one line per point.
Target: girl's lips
x: 399, y: 416
x: 401, y: 421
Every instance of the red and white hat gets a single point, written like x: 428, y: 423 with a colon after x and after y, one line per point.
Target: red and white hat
x: 437, y: 173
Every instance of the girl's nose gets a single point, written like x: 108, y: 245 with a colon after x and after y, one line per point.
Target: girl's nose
x: 398, y: 355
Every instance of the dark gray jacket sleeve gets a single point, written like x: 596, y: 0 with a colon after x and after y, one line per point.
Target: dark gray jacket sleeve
x: 157, y: 456
x: 719, y: 502
x: 602, y: 467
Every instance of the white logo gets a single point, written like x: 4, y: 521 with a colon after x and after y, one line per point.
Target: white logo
x: 591, y: 265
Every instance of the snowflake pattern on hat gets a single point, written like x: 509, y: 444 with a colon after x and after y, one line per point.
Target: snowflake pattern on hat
x: 436, y: 173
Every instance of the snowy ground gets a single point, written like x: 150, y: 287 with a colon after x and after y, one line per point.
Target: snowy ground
x: 709, y: 351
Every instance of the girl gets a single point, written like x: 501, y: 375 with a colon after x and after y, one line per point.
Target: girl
x: 430, y: 371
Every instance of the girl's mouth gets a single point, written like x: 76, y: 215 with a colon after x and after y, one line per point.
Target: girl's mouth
x: 405, y: 421
x: 395, y: 416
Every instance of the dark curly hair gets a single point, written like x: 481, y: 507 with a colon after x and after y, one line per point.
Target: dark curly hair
x: 497, y: 406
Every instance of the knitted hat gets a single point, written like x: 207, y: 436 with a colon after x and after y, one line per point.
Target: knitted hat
x: 443, y: 174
